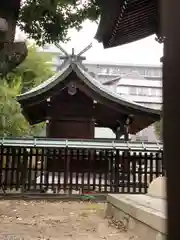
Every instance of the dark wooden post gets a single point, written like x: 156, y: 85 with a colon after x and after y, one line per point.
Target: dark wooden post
x: 46, y: 159
x: 24, y: 170
x: 118, y: 133
x: 122, y: 129
x: 126, y: 132
x: 171, y: 111
x: 127, y: 122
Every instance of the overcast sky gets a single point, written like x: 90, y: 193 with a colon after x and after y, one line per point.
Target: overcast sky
x: 146, y: 51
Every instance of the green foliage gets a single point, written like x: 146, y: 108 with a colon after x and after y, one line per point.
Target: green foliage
x: 88, y: 197
x: 48, y: 21
x: 11, y: 55
x: 29, y: 74
x: 12, y: 122
x: 34, y: 70
x: 158, y: 128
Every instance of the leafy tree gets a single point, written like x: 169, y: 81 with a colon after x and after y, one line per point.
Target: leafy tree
x: 48, y: 21
x: 158, y: 129
x: 30, y: 73
x: 12, y: 123
x: 33, y: 70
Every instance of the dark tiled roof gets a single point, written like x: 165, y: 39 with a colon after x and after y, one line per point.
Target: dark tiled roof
x: 88, y: 80
x: 134, y: 20
x: 34, y: 102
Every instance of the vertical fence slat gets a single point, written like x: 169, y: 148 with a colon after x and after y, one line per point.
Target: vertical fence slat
x: 18, y: 169
x: 53, y: 160
x: 146, y: 184
x: 129, y: 183
x: 88, y: 169
x: 77, y: 170
x: 12, y: 162
x: 140, y: 173
x: 106, y: 158
x: 59, y: 163
x: 24, y: 170
x: 133, y: 172
x: 116, y: 173
x: 157, y: 164
x: 111, y: 172
x: 66, y: 152
x: 48, y: 162
x: 1, y: 168
x: 123, y: 176
x: 95, y: 152
x: 82, y: 170
x: 6, y: 172
x: 163, y: 164
x: 151, y: 167
x: 30, y: 177
x: 71, y: 166
x: 42, y: 162
x: 36, y: 167
x: 99, y: 179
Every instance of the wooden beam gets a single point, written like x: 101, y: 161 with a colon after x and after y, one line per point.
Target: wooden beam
x: 171, y: 111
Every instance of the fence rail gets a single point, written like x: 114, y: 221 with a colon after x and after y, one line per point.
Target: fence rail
x: 82, y: 143
x: 52, y: 166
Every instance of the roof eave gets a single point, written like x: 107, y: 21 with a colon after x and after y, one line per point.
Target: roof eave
x: 126, y: 29
x: 99, y: 89
x: 60, y: 76
x: 107, y: 94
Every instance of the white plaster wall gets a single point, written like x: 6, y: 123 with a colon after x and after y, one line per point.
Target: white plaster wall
x: 104, y: 133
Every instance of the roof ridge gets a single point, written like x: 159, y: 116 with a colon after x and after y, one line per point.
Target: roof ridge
x: 112, y: 80
x: 131, y: 73
x: 92, y: 82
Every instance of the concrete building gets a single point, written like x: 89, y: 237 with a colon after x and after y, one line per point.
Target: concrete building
x: 141, y: 84
x: 138, y: 83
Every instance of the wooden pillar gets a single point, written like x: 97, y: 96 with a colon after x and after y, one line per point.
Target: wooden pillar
x: 122, y: 129
x: 47, y: 128
x: 126, y: 132
x: 171, y: 111
x: 118, y: 133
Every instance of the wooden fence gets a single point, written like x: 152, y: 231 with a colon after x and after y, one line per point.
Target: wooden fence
x: 28, y: 168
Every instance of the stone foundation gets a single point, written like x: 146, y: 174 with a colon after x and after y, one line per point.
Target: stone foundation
x: 141, y: 214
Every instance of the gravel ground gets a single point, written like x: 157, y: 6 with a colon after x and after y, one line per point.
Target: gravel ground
x: 57, y: 220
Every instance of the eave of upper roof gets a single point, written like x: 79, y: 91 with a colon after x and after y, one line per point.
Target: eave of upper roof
x: 131, y: 75
x: 126, y: 21
x: 89, y: 81
x: 12, y: 6
x: 112, y: 81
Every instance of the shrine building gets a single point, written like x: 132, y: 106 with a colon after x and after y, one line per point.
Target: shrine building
x: 73, y: 103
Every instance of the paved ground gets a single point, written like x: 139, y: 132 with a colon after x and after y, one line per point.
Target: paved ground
x: 57, y: 220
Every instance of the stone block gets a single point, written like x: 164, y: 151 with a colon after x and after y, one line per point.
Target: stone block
x: 157, y: 188
x: 144, y: 216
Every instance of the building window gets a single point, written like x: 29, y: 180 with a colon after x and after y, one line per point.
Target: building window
x: 103, y: 70
x: 138, y: 91
x: 142, y: 91
x: 133, y: 91
x: 154, y: 92
x: 151, y: 72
